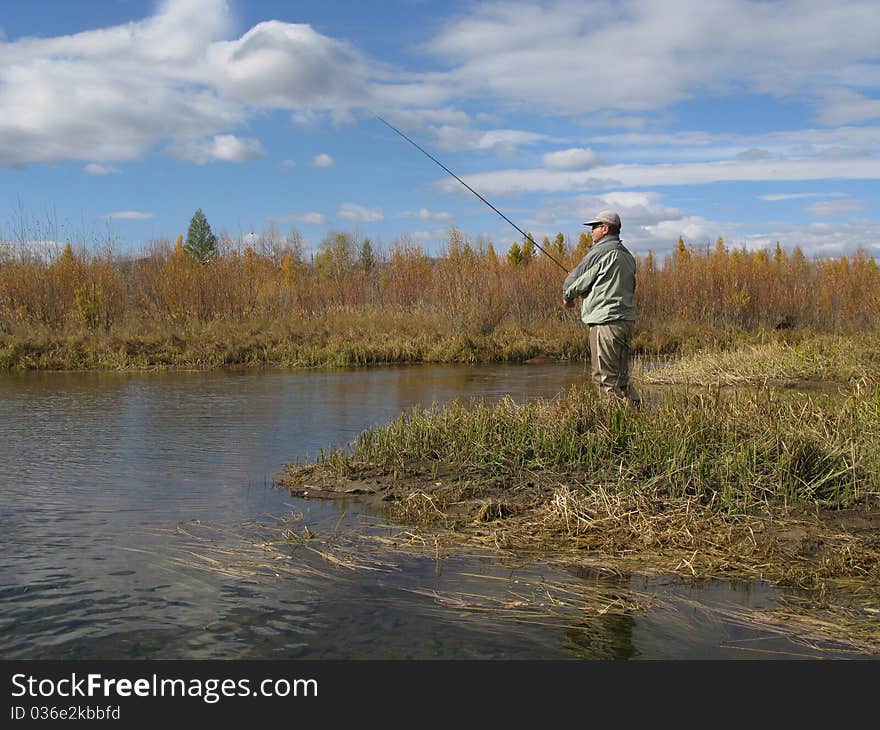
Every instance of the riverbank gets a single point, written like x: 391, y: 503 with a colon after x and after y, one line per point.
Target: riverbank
x: 351, y: 339
x: 701, y: 483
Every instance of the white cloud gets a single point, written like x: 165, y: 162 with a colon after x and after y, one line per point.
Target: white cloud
x: 576, y: 158
x: 647, y: 223
x: 323, y: 160
x: 501, y: 141
x: 95, y: 169
x: 797, y: 196
x: 73, y: 97
x: 287, y: 65
x: 753, y: 153
x: 221, y: 147
x: 548, y: 57
x: 637, y: 55
x: 288, y: 164
x: 314, y: 219
x: 844, y: 106
x: 427, y: 238
x: 506, y: 182
x: 822, y: 239
x: 191, y: 84
x: 427, y: 215
x: 135, y: 215
x: 650, y: 224
x: 834, y: 208
x: 360, y: 214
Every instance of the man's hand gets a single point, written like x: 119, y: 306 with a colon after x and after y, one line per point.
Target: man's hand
x: 569, y: 303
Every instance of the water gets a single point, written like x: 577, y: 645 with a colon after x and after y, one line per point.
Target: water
x: 134, y: 507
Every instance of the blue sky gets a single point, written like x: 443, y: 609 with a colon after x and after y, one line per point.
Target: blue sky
x: 758, y: 121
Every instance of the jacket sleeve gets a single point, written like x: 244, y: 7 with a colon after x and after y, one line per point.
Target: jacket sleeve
x: 580, y: 280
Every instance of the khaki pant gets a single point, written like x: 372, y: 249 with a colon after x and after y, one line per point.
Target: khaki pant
x: 609, y: 357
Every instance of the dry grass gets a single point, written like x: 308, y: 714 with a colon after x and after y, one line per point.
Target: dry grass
x: 832, y: 359
x: 86, y: 309
x: 563, y: 588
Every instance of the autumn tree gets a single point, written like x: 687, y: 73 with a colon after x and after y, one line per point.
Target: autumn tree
x: 585, y: 240
x: 336, y: 257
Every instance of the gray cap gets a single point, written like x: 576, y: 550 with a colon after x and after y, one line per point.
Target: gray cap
x: 605, y: 216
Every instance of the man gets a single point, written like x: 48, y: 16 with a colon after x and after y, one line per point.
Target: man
x: 606, y: 280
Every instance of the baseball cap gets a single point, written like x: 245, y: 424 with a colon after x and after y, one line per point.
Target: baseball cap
x: 605, y: 216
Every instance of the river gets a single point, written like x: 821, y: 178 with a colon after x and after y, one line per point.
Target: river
x: 140, y: 521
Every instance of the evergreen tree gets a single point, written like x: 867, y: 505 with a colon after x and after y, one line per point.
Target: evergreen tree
x: 515, y: 255
x: 559, y: 246
x: 367, y: 258
x: 528, y: 249
x: 201, y: 243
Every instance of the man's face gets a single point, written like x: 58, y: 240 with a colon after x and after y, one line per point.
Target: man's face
x: 598, y: 231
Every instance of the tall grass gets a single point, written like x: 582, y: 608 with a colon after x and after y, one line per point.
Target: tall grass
x: 470, y: 303
x: 737, y: 450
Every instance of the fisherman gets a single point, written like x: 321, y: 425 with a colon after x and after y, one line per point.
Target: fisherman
x: 606, y: 280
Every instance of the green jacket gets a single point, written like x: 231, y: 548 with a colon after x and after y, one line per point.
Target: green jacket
x: 606, y: 279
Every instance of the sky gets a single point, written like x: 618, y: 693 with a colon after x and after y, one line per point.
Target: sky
x: 754, y: 120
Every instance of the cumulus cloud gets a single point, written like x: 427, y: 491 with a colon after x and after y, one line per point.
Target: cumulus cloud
x: 76, y: 96
x: 323, y: 160
x: 73, y: 97
x: 576, y: 158
x: 556, y: 55
x: 201, y: 83
x: 359, y: 214
x: 221, y: 147
x: 284, y: 65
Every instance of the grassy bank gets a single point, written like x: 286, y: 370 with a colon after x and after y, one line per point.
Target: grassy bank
x: 781, y: 486
x: 777, y: 360
x: 355, y: 339
x: 270, y: 304
x: 340, y: 339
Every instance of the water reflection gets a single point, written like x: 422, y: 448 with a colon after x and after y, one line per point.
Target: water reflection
x: 107, y: 478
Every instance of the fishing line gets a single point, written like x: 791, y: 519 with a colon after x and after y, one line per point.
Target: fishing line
x: 427, y: 154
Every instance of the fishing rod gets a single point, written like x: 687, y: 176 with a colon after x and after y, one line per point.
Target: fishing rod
x: 431, y: 157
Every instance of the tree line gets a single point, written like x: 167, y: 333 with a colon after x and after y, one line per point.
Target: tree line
x: 468, y: 285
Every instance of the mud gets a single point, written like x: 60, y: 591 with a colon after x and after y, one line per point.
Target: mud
x: 806, y: 546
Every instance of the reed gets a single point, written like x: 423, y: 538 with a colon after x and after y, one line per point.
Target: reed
x: 468, y: 304
x: 734, y: 450
x: 830, y: 358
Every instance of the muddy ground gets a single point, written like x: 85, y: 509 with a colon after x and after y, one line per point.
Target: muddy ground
x: 809, y: 547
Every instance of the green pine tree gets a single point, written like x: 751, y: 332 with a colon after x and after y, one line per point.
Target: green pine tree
x: 514, y: 255
x: 201, y: 243
x: 367, y: 258
x: 528, y: 248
